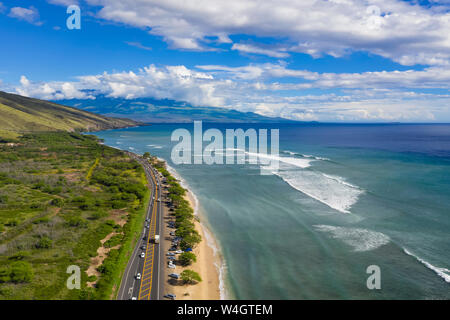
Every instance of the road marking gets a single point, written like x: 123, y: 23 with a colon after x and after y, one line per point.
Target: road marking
x: 148, y: 257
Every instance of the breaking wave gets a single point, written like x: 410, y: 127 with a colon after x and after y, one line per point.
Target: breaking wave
x: 359, y: 239
x: 331, y: 191
x: 441, y: 272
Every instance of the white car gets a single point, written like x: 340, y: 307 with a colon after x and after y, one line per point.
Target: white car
x: 138, y: 276
x: 171, y: 266
x: 179, y: 251
x: 133, y: 298
x: 142, y: 254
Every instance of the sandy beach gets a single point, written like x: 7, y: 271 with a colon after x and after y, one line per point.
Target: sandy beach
x: 209, y: 287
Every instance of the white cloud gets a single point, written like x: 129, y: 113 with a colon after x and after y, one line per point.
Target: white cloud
x: 370, y: 96
x: 63, y: 2
x: 248, y: 48
x: 138, y: 45
x: 432, y: 77
x: 395, y: 29
x: 30, y: 15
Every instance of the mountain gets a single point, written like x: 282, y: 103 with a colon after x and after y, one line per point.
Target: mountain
x: 168, y: 111
x: 20, y: 114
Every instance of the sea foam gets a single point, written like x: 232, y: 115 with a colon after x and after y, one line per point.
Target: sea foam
x: 358, y: 238
x: 331, y: 191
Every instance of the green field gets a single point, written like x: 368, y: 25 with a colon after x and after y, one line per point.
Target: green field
x: 60, y: 194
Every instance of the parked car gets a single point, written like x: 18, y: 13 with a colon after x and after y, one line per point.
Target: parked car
x: 173, y: 249
x: 174, y: 275
x: 179, y: 251
x: 170, y: 296
x: 171, y: 258
x: 170, y: 253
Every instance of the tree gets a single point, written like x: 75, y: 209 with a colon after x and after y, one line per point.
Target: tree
x: 146, y: 155
x: 190, y: 241
x: 190, y: 276
x: 186, y: 258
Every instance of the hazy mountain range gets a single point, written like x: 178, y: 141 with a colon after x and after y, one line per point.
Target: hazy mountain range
x: 154, y: 110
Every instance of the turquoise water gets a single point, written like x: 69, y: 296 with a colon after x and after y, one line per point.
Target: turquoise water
x: 345, y: 197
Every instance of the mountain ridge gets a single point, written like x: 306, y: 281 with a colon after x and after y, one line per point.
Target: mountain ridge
x: 166, y: 111
x: 21, y: 114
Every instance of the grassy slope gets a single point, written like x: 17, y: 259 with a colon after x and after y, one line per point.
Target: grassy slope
x: 21, y: 114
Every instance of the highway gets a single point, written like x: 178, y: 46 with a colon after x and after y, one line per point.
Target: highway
x: 150, y: 286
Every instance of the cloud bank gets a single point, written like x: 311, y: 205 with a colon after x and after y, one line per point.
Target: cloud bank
x: 402, y: 31
x: 369, y: 96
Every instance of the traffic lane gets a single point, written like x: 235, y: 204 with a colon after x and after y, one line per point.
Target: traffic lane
x: 130, y: 286
x: 140, y: 267
x: 147, y: 269
x: 155, y: 294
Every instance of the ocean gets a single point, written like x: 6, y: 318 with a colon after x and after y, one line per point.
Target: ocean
x: 346, y: 197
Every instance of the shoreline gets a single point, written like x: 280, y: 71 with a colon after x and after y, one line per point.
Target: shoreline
x: 208, y: 253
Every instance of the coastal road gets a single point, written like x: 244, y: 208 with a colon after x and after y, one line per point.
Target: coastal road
x: 150, y: 286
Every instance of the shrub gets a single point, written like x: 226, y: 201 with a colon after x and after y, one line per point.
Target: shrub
x: 19, y: 255
x: 57, y: 202
x: 21, y: 271
x: 44, y: 243
x: 75, y: 222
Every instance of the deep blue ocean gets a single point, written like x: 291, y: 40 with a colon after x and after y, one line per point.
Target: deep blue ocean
x: 345, y: 197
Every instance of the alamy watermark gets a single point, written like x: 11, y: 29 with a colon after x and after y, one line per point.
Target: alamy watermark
x: 237, y: 147
x: 74, y: 280
x: 74, y: 20
x: 374, y: 280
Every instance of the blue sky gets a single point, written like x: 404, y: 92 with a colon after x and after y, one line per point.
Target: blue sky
x: 335, y: 60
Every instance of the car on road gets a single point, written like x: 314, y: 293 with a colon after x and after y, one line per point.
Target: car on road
x: 144, y: 247
x: 143, y: 255
x: 174, y: 275
x: 170, y: 296
x: 138, y: 276
x: 133, y: 298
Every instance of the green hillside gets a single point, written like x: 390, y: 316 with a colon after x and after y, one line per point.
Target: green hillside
x: 20, y: 115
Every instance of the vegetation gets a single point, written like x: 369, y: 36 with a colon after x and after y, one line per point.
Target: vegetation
x: 186, y: 258
x: 184, y: 214
x: 190, y: 276
x: 184, y: 222
x: 61, y: 194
